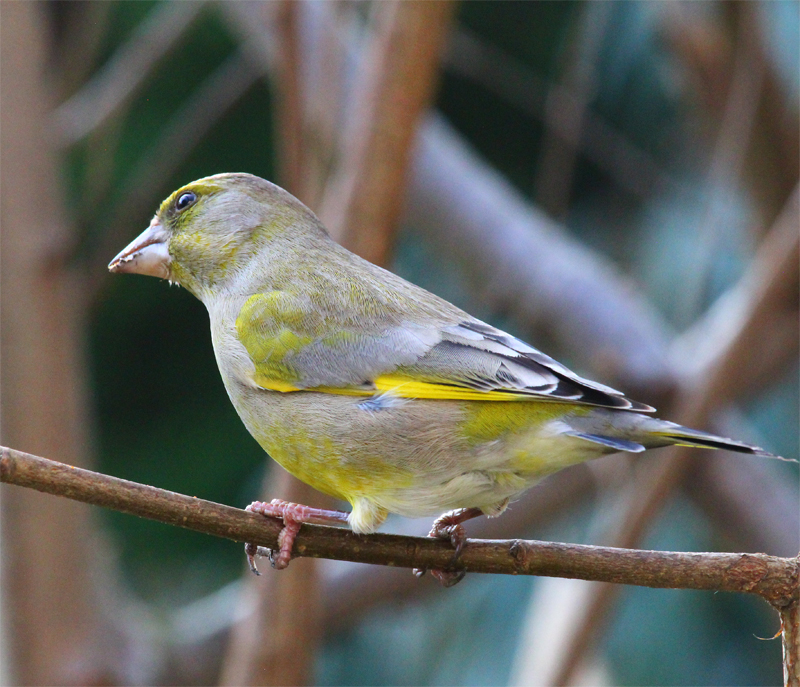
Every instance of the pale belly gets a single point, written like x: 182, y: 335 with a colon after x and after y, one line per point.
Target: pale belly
x: 414, y: 458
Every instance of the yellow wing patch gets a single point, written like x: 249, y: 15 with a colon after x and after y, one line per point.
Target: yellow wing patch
x: 408, y: 387
x: 404, y: 387
x: 274, y: 384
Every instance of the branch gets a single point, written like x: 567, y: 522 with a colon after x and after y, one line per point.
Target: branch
x: 790, y: 631
x: 769, y: 286
x: 397, y: 77
x: 774, y: 579
x: 124, y: 73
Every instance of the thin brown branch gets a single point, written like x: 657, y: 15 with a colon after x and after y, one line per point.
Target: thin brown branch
x: 774, y: 579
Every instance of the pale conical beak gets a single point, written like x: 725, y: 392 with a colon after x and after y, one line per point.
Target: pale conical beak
x: 146, y: 254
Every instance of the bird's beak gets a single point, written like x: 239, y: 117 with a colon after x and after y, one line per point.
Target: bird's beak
x: 146, y: 254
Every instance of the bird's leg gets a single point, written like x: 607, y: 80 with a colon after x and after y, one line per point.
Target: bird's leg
x: 449, y: 526
x: 293, y: 515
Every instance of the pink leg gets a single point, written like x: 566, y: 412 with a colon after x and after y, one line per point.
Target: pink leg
x: 293, y: 516
x: 449, y: 526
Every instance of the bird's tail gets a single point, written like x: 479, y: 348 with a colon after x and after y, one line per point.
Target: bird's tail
x: 683, y: 436
x: 634, y: 432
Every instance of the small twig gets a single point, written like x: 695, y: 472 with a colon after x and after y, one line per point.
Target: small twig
x: 774, y: 579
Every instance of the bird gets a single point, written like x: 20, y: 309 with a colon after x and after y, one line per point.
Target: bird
x: 370, y: 388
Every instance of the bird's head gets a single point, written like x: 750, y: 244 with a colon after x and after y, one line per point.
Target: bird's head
x: 208, y: 231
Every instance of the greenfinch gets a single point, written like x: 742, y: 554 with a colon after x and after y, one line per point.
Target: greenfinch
x: 367, y: 387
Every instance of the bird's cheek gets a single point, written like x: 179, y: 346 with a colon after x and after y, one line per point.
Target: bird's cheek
x: 146, y: 254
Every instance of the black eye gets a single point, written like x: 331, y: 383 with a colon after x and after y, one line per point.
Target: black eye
x: 185, y: 200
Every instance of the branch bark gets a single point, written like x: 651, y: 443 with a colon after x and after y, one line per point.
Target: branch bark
x: 790, y: 633
x: 774, y: 579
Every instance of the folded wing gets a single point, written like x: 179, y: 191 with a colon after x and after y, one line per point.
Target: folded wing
x: 294, y: 347
x: 473, y: 356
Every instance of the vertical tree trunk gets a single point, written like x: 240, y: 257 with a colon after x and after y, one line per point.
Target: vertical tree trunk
x: 46, y: 578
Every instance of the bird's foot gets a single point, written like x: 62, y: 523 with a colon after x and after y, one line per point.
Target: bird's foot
x: 293, y: 516
x: 450, y: 526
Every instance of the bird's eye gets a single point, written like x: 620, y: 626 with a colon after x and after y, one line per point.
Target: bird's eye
x: 185, y: 200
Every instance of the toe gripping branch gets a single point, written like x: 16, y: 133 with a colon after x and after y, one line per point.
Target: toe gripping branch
x: 450, y: 526
x: 293, y: 516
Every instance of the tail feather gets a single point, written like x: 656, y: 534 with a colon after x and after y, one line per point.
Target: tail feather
x: 683, y: 436
x: 634, y: 432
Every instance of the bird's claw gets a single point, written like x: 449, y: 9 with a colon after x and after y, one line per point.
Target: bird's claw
x: 448, y: 578
x: 291, y: 526
x: 252, y: 552
x: 449, y: 526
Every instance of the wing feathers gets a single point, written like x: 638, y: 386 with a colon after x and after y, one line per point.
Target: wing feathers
x: 292, y: 351
x: 513, y: 367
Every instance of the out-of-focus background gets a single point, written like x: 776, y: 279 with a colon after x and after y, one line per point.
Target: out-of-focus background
x: 614, y: 182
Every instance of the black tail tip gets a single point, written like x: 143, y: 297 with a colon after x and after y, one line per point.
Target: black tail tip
x: 727, y: 445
